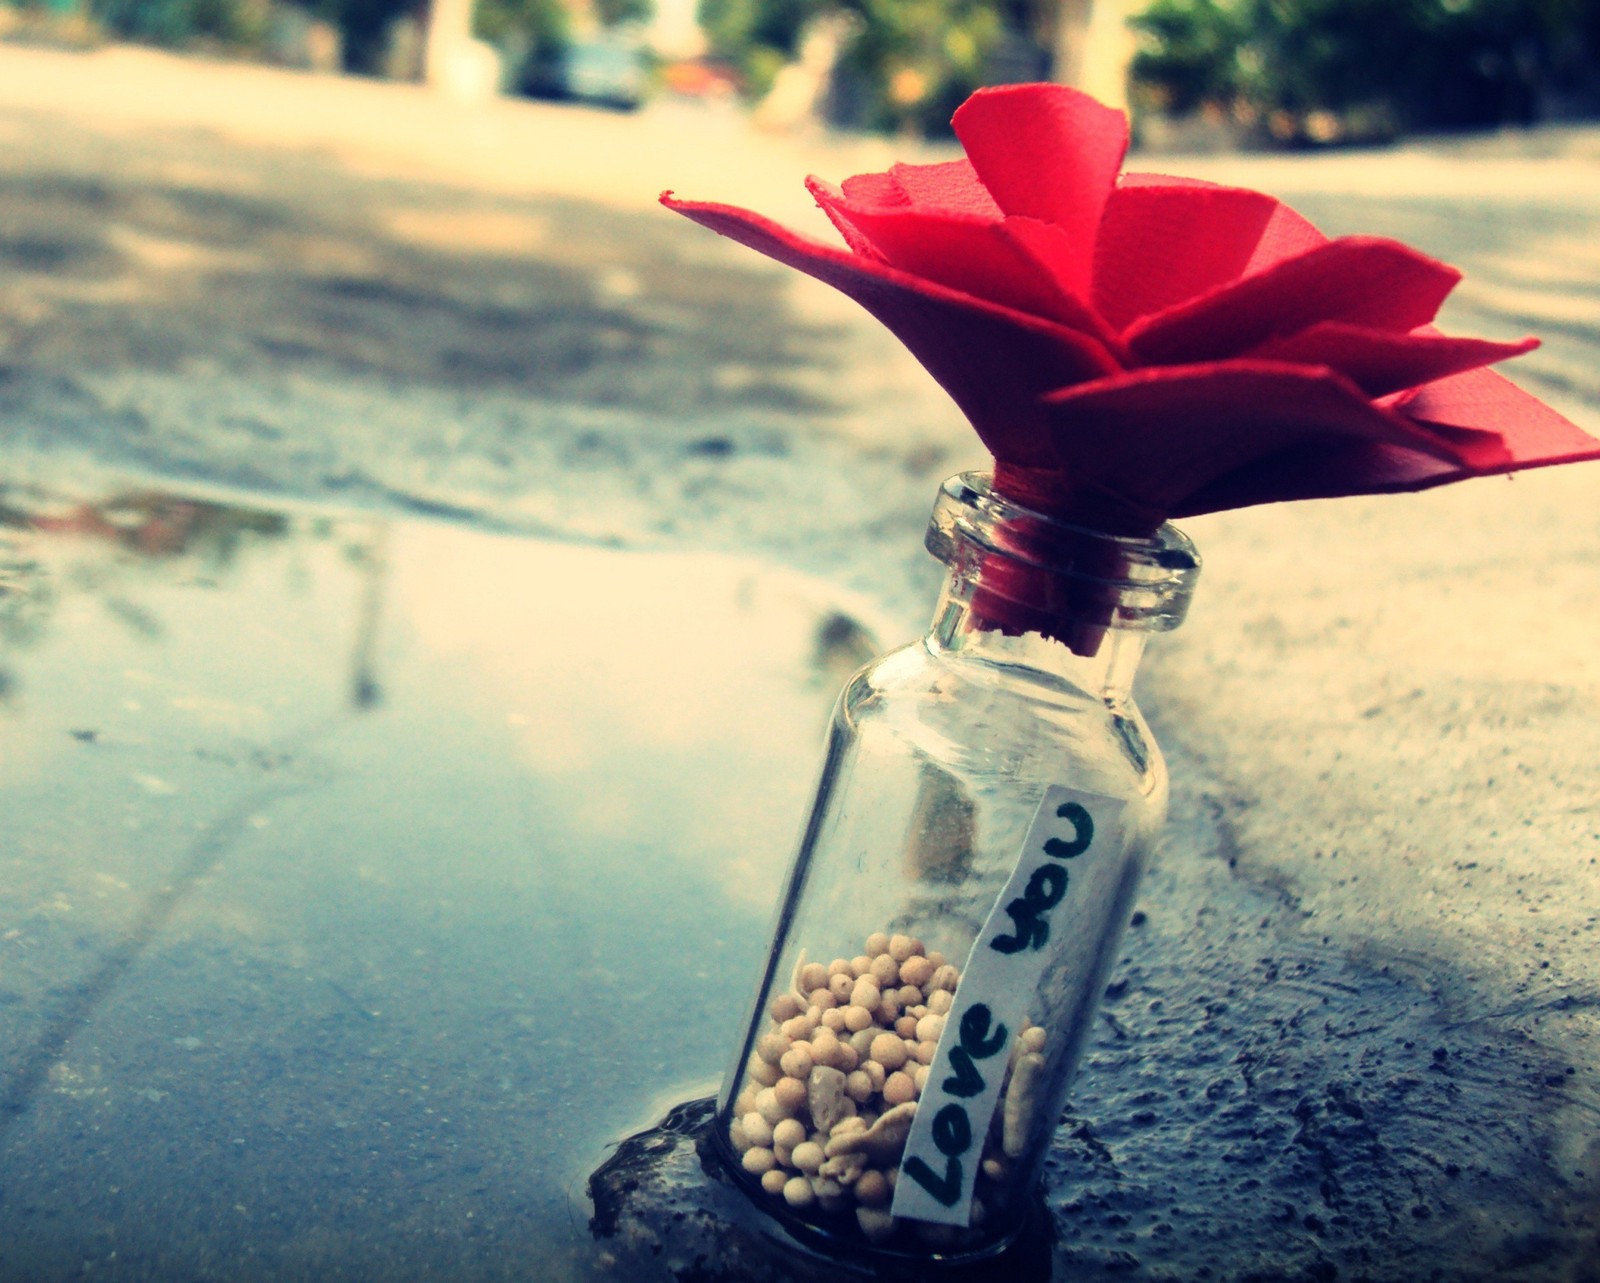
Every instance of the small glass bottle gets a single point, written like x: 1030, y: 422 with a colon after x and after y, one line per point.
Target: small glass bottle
x: 988, y: 800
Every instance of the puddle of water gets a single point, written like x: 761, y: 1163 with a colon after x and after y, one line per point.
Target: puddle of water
x: 359, y: 880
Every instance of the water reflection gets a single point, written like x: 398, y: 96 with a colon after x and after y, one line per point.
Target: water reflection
x: 358, y: 880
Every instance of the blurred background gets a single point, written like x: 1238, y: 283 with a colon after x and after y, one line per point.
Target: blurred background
x: 1204, y: 73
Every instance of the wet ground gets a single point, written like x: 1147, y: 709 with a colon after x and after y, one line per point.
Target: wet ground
x: 425, y: 571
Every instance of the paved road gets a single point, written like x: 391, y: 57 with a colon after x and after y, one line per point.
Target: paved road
x: 1384, y: 715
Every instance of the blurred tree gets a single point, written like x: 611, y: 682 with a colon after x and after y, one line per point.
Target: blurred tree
x: 1309, y: 70
x: 539, y: 22
x: 178, y: 22
x: 903, y: 65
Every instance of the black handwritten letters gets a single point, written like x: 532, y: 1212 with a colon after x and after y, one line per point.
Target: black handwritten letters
x: 1047, y: 886
x: 999, y: 988
x: 952, y: 1129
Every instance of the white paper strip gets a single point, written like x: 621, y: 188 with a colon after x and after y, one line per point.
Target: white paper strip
x: 1072, y: 835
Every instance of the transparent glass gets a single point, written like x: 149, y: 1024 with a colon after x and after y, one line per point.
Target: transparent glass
x: 938, y: 758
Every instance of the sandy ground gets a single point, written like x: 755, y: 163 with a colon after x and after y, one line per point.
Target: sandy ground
x: 1389, y: 709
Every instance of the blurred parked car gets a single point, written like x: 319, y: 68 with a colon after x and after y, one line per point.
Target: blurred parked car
x: 607, y: 71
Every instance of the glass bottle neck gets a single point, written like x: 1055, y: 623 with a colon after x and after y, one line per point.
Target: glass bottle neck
x: 1100, y: 662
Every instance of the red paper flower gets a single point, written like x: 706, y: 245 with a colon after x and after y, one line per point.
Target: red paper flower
x: 1132, y: 347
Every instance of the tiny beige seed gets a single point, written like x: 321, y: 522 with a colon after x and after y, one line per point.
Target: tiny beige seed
x: 737, y: 1137
x: 856, y: 1019
x: 813, y: 976
x: 808, y: 1156
x: 916, y: 971
x: 919, y: 1076
x: 899, y: 1088
x: 929, y: 1029
x: 848, y: 1058
x: 797, y: 1062
x: 1034, y: 1039
x: 758, y: 1161
x: 877, y: 943
x: 840, y: 987
x: 839, y: 967
x: 938, y: 959
x: 876, y: 1072
x: 885, y: 970
x: 785, y: 1007
x: 745, y: 1102
x: 861, y: 1040
x: 906, y: 1026
x: 860, y: 965
x: 790, y: 1096
x: 797, y: 1192
x: 903, y: 947
x: 940, y: 1001
x: 771, y: 1047
x: 798, y: 1027
x: 889, y: 1051
x: 865, y: 993
x: 946, y: 977
x: 872, y: 1188
x: 833, y: 1019
x: 822, y: 1000
x: 762, y: 1072
x: 788, y: 1133
x: 908, y: 996
x: 858, y: 1086
x: 773, y: 1181
x: 925, y: 1052
x: 757, y: 1130
x: 825, y: 1049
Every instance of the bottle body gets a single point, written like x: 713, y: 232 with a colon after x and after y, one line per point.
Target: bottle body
x: 930, y: 983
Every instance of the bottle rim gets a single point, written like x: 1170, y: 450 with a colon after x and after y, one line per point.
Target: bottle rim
x: 1046, y: 563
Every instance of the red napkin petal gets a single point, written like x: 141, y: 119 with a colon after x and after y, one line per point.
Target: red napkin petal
x: 1380, y: 362
x: 1049, y: 154
x: 1496, y: 425
x: 1164, y: 242
x: 1155, y: 436
x: 994, y: 361
x: 950, y: 185
x: 1011, y: 262
x: 1361, y: 280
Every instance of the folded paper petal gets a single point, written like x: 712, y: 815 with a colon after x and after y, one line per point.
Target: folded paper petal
x: 1157, y: 436
x: 1048, y: 153
x: 1014, y: 261
x: 950, y: 185
x: 1360, y: 280
x: 1496, y: 425
x: 1380, y: 362
x: 1163, y: 242
x: 994, y: 362
x: 1326, y: 469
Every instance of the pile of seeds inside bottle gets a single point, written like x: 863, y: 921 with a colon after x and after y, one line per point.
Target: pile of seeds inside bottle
x: 832, y: 1087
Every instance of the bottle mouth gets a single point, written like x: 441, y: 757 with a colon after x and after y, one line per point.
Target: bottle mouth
x: 1051, y: 568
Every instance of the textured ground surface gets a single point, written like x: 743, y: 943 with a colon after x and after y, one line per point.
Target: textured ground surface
x: 1355, y: 1034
